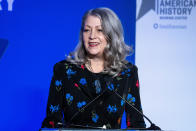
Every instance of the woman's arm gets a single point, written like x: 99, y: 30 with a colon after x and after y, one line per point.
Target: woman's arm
x: 55, y: 99
x: 133, y: 118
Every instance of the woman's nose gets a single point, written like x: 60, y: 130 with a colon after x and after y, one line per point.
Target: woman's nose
x: 92, y: 34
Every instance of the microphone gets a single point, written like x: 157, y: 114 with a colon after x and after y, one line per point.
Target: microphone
x: 108, y: 80
x: 69, y: 124
x: 59, y: 124
x: 84, y: 107
x: 152, y: 125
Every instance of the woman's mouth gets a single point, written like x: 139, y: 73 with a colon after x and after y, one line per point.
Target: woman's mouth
x: 93, y: 44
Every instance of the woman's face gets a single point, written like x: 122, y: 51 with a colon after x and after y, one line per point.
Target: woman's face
x: 93, y: 37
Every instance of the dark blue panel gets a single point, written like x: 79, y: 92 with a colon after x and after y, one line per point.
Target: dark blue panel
x: 3, y: 46
x: 40, y: 33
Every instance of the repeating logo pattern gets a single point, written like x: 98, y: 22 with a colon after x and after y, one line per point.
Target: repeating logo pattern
x: 6, y: 5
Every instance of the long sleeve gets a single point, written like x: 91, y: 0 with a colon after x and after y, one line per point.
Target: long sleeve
x: 55, y: 100
x: 133, y: 118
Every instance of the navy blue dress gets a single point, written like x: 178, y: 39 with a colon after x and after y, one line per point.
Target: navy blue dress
x: 79, y: 97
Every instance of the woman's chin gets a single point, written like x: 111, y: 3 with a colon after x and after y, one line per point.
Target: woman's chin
x: 94, y: 54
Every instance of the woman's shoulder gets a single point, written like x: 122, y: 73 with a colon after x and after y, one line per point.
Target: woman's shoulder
x: 64, y: 63
x: 128, y: 70
x: 130, y: 66
x: 62, y: 66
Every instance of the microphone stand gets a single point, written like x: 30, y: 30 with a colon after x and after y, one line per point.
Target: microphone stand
x: 63, y: 125
x: 152, y: 125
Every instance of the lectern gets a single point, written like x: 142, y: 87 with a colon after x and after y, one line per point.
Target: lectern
x: 72, y: 129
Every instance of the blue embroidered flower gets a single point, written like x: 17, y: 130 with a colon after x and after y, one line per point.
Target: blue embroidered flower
x: 128, y: 70
x: 133, y: 99
x: 129, y: 96
x: 122, y: 102
x: 69, y: 98
x: 97, y: 86
x: 70, y: 72
x: 98, y: 90
x: 130, y: 99
x: 128, y: 74
x: 54, y: 108
x: 83, y: 81
x: 111, y: 87
x: 58, y: 83
x: 95, y: 117
x: 111, y: 109
x: 81, y: 104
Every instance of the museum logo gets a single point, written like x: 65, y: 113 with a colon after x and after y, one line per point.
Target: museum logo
x: 168, y: 9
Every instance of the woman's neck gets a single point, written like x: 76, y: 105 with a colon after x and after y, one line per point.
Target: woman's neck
x: 95, y: 65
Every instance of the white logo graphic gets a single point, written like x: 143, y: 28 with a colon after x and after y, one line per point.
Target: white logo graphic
x: 10, y: 5
x: 172, y: 14
x: 166, y: 9
x: 175, y: 9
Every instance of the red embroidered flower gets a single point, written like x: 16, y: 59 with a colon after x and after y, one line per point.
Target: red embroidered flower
x: 128, y: 121
x: 128, y: 124
x: 51, y: 123
x: 82, y: 66
x: 76, y: 85
x: 137, y: 84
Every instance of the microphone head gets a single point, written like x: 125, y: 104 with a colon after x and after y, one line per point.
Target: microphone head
x: 154, y: 127
x: 104, y: 127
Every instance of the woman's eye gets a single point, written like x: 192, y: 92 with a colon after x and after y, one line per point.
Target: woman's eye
x: 100, y: 30
x: 86, y: 30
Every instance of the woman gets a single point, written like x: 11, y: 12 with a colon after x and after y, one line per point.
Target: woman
x: 94, y: 86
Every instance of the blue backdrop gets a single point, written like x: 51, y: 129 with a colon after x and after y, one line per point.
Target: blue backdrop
x: 39, y: 34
